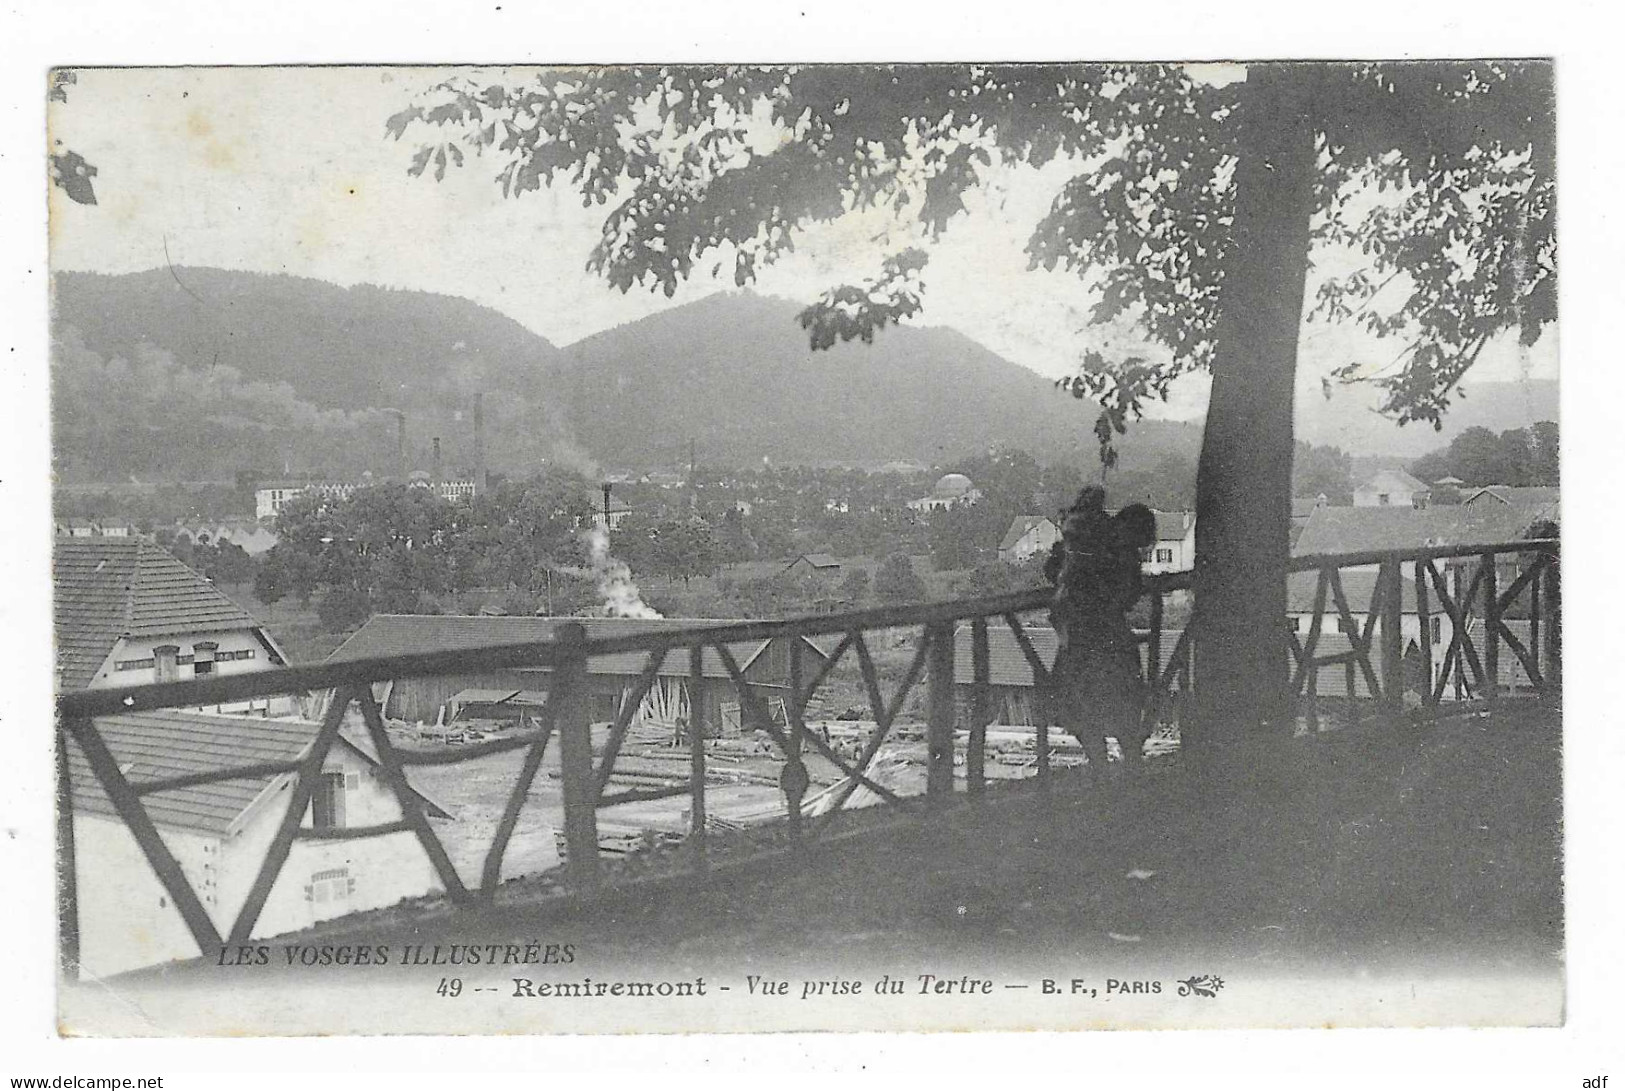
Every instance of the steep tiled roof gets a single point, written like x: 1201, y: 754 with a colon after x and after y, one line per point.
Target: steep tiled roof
x: 1019, y: 526
x: 1304, y: 506
x: 1173, y: 525
x: 1357, y: 530
x: 172, y: 742
x: 407, y: 634
x: 107, y: 588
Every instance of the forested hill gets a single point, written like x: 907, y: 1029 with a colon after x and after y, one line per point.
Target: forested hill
x: 339, y: 348
x: 193, y: 374
x: 733, y: 372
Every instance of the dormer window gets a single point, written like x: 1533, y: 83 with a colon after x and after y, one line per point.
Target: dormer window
x: 166, y: 663
x: 203, y: 657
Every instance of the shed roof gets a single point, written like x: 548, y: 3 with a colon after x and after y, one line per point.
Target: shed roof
x: 175, y: 742
x: 1362, y: 529
x: 108, y: 588
x: 410, y: 634
x: 816, y: 560
x: 1514, y: 494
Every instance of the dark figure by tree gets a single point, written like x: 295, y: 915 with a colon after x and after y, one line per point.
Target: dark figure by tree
x: 1096, y: 685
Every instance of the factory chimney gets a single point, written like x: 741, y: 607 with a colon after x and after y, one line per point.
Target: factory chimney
x: 434, y: 468
x: 479, y: 444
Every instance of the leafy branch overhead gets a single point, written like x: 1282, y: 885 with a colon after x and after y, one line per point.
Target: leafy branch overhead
x: 69, y: 171
x: 1438, y: 175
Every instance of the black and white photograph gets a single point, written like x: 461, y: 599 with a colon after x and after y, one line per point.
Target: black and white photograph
x: 567, y: 544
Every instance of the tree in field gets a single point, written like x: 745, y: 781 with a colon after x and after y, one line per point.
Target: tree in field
x: 896, y: 581
x: 270, y: 580
x: 1194, y: 209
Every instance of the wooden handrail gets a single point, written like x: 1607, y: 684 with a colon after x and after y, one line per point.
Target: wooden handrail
x: 223, y: 689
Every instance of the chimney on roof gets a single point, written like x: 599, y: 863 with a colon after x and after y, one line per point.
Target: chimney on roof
x: 479, y: 444
x: 434, y: 466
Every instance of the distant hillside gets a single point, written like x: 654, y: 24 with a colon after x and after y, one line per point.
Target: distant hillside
x: 733, y: 371
x: 335, y: 349
x: 193, y: 374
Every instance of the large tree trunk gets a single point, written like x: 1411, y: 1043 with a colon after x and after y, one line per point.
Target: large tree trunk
x: 1244, y: 476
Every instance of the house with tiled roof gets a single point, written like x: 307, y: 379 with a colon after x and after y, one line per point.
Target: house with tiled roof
x: 1028, y: 536
x: 1175, y: 547
x: 1391, y: 489
x: 128, y: 613
x: 218, y: 834
x: 611, y: 678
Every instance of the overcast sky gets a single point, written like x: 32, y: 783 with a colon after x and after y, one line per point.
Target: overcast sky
x: 289, y: 170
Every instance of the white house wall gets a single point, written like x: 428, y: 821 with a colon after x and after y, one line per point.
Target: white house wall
x: 130, y: 649
x: 127, y: 920
x: 384, y: 869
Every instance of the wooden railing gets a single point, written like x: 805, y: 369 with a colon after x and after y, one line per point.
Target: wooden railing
x: 1374, y: 656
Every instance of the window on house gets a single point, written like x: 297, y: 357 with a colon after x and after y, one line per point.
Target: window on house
x: 1145, y: 554
x: 327, y: 802
x: 331, y: 885
x: 1294, y: 624
x: 1382, y: 498
x: 203, y: 657
x: 166, y: 660
x: 1165, y: 556
x: 1347, y: 626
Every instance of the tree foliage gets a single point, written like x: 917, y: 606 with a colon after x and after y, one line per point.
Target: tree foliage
x: 1518, y: 456
x: 394, y: 549
x: 1438, y: 175
x: 896, y: 581
x: 69, y: 171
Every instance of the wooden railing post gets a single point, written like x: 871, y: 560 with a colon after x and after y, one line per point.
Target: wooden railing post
x: 1553, y: 674
x: 1424, y: 621
x: 793, y: 778
x: 1153, y: 666
x: 939, y: 717
x: 696, y: 752
x: 981, y: 708
x: 574, y: 729
x: 1492, y: 630
x: 67, y: 873
x: 1393, y: 648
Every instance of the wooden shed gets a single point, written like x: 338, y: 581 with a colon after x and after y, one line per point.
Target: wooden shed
x: 765, y: 665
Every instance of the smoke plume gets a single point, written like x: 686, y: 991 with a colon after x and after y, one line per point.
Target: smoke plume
x: 621, y: 596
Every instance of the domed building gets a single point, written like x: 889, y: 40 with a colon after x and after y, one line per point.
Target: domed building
x: 950, y: 491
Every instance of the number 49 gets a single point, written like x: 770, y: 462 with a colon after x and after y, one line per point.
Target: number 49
x: 450, y: 986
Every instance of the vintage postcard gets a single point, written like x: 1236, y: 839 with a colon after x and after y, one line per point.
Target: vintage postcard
x: 642, y: 549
